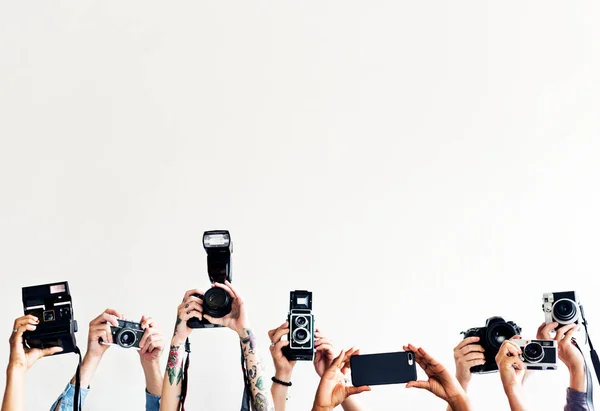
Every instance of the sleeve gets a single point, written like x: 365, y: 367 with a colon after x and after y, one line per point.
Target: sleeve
x: 152, y: 402
x: 65, y: 401
x: 576, y: 401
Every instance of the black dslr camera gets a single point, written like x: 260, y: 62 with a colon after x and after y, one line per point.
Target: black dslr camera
x: 128, y: 334
x: 51, y: 304
x: 302, y: 327
x: 216, y: 302
x: 491, y: 337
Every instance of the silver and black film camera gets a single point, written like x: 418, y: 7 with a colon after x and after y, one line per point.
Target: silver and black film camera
x: 128, y: 334
x: 538, y: 354
x: 563, y: 308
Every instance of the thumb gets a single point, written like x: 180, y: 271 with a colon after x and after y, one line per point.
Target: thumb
x: 357, y: 390
x: 217, y: 321
x: 418, y: 384
x: 50, y: 351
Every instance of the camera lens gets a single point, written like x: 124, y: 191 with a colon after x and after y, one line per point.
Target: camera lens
x: 301, y: 322
x: 533, y: 352
x: 498, y: 333
x: 300, y: 335
x: 217, y: 302
x: 126, y: 338
x: 49, y: 316
x: 565, y: 311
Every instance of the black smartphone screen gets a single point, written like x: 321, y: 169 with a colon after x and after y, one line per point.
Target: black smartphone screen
x: 387, y: 368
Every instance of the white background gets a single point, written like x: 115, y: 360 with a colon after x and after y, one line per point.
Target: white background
x: 420, y: 166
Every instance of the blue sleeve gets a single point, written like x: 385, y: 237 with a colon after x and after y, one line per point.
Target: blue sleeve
x: 576, y: 401
x: 152, y: 402
x: 67, y: 397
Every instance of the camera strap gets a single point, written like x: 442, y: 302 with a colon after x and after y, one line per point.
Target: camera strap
x: 184, y: 380
x: 593, y: 353
x: 246, y: 398
x: 588, y: 379
x: 77, y: 400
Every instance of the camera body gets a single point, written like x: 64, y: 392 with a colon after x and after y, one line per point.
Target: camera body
x: 128, y: 334
x: 52, y: 305
x: 216, y: 302
x: 302, y: 327
x: 538, y: 354
x: 563, y: 308
x: 491, y: 337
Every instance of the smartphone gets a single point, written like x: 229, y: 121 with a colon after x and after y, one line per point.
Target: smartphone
x: 386, y: 368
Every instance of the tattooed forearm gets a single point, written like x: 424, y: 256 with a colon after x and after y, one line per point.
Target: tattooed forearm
x: 176, y: 325
x: 175, y: 364
x: 261, y: 397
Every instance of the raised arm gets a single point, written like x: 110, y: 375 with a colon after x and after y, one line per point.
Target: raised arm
x: 19, y: 362
x: 512, y: 372
x: 151, y: 347
x: 191, y: 306
x: 237, y: 320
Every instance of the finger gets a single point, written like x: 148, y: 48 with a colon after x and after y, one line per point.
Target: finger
x: 516, y: 337
x: 146, y: 322
x: 27, y: 319
x: 560, y: 333
x: 474, y: 356
x: 569, y: 335
x: 145, y: 337
x: 154, y: 342
x: 278, y: 347
x: 50, y: 351
x: 545, y: 329
x: 192, y: 306
x: 337, y: 363
x: 233, y: 290
x: 101, y: 331
x: 471, y: 348
x: 190, y: 314
x: 327, y: 348
x: 418, y: 384
x: 472, y: 363
x: 466, y: 342
x: 357, y: 390
x: 108, y: 313
x: 17, y: 336
x: 323, y: 341
x: 279, y: 334
x: 190, y: 293
x: 226, y: 288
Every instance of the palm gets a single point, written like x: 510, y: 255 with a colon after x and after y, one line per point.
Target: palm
x: 322, y: 361
x: 333, y: 384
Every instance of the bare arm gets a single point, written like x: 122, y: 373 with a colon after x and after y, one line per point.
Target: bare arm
x: 261, y: 396
x: 14, y: 392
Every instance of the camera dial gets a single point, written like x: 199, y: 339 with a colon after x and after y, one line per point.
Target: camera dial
x: 533, y: 352
x: 126, y: 338
x: 565, y: 311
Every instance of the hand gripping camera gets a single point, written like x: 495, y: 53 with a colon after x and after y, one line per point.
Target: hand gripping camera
x: 51, y: 304
x: 491, y: 337
x: 563, y: 308
x: 302, y: 323
x: 216, y: 302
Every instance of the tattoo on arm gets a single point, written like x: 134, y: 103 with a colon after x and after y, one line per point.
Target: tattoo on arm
x: 176, y: 325
x: 175, y: 365
x: 262, y: 399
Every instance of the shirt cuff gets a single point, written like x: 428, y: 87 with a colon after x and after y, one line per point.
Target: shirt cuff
x: 67, y: 397
x: 152, y: 402
x: 577, y: 397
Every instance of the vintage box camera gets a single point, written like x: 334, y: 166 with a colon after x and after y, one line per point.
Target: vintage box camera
x: 51, y: 304
x: 563, y: 308
x: 216, y: 302
x: 491, y: 337
x: 128, y: 334
x: 302, y: 322
x: 538, y: 354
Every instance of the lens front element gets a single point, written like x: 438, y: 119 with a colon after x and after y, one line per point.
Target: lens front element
x: 533, y: 352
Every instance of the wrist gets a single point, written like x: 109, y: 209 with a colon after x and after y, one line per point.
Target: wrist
x: 177, y: 341
x: 459, y: 402
x: 243, y: 331
x: 464, y: 381
x: 283, y: 375
x: 577, y: 380
x: 15, y: 370
x: 319, y: 408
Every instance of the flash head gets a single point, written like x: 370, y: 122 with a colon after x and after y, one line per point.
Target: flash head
x: 219, y: 247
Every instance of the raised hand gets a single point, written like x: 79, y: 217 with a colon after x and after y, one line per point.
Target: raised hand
x: 441, y: 382
x: 283, y: 366
x: 99, y: 335
x: 20, y: 357
x: 324, y: 354
x: 467, y: 354
x: 332, y: 389
x: 190, y: 307
x: 237, y: 319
